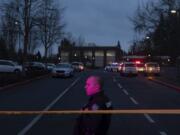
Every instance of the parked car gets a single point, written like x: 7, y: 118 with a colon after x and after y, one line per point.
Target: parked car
x: 78, y: 66
x: 129, y: 68
x: 35, y: 68
x: 107, y: 67
x: 8, y: 66
x: 114, y: 67
x: 63, y: 70
x: 50, y: 66
x: 152, y: 68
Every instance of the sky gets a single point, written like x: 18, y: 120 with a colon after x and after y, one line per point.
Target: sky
x: 102, y: 22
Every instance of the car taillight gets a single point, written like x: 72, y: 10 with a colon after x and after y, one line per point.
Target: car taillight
x: 119, y: 68
x: 81, y: 67
x: 123, y: 68
x: 138, y: 62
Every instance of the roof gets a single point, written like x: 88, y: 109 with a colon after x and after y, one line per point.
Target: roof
x: 91, y: 48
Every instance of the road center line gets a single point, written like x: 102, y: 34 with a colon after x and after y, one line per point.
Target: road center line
x: 148, y: 117
x: 38, y: 117
x: 114, y: 80
x: 125, y: 91
x: 162, y: 133
x: 119, y: 85
x: 134, y: 101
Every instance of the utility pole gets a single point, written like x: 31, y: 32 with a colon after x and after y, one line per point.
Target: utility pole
x: 19, y: 24
x: 26, y: 30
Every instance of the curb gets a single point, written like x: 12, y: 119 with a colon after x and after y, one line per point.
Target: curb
x: 23, y: 82
x: 165, y: 84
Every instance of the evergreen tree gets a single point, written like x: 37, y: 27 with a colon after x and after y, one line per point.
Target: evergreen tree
x: 3, y: 49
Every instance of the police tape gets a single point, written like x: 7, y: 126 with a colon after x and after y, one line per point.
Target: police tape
x: 64, y: 112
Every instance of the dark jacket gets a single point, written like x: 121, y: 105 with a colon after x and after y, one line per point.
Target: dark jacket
x: 94, y: 124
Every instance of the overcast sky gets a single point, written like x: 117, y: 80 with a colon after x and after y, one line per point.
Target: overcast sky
x: 103, y: 22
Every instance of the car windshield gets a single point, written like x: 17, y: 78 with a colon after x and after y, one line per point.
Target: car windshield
x: 15, y: 63
x: 130, y: 65
x: 63, y: 66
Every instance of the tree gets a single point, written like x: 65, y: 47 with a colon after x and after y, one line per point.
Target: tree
x: 28, y: 22
x: 34, y: 42
x: 23, y: 14
x: 80, y: 41
x: 49, y: 24
x: 9, y: 27
x: 66, y: 44
x: 147, y: 16
x: 119, y: 45
x: 156, y: 19
x: 38, y: 55
x: 3, y: 49
x: 20, y: 56
x: 132, y: 49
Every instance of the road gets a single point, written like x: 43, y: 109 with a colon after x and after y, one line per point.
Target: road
x: 68, y: 94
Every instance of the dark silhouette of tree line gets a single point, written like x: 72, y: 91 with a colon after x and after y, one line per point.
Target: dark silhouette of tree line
x: 159, y: 22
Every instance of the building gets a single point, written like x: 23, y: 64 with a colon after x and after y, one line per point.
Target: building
x: 91, y: 56
x: 134, y: 58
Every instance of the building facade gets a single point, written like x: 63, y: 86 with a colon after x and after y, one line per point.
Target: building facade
x: 95, y: 56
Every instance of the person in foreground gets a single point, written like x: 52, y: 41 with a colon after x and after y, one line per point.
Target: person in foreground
x: 94, y: 124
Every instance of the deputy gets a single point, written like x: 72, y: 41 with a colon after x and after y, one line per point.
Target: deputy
x: 94, y: 124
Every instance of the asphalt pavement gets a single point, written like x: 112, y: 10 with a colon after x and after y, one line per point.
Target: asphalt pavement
x: 69, y: 94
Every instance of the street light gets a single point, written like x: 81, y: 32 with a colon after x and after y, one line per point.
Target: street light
x: 149, y: 45
x: 18, y: 24
x: 173, y: 11
x: 147, y: 37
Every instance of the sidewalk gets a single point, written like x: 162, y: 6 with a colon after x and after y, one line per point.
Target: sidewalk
x: 22, y: 82
x: 169, y: 78
x: 170, y: 75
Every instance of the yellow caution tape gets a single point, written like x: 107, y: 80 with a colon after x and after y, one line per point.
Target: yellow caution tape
x: 126, y: 111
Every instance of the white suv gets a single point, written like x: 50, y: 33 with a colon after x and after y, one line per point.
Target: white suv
x: 152, y: 68
x: 129, y: 68
x: 7, y: 66
x: 78, y: 66
x: 114, y: 67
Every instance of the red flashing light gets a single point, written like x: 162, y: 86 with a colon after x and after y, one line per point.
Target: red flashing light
x: 138, y: 62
